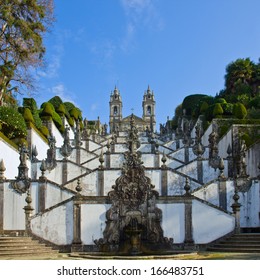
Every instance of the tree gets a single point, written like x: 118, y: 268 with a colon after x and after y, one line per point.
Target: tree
x: 22, y: 25
x: 239, y: 76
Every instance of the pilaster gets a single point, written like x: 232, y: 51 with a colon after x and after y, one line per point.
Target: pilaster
x: 76, y: 245
x: 200, y: 170
x: 222, y: 194
x: 188, y: 241
x: 100, y: 187
x: 164, y: 182
x: 64, y: 171
x: 1, y: 206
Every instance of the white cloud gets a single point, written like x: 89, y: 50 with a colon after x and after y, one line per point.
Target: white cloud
x: 93, y: 107
x: 139, y: 14
x: 66, y: 96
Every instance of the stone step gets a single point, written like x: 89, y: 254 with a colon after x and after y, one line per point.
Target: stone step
x: 245, y: 242
x: 234, y: 249
x: 19, y: 246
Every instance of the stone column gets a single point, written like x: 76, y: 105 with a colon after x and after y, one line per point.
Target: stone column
x: 76, y: 245
x: 42, y: 196
x: 100, y: 187
x: 107, y: 160
x: 28, y: 211
x: 200, y: 170
x: 78, y: 155
x: 164, y: 182
x: 186, y: 154
x: 236, y: 211
x: 222, y: 193
x: 1, y: 206
x: 188, y: 241
x: 64, y: 171
x: 87, y: 144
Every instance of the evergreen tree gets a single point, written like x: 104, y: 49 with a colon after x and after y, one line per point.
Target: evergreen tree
x: 22, y: 25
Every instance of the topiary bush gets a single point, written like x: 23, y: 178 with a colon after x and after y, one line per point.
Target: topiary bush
x: 61, y: 110
x: 28, y: 117
x: 239, y: 111
x: 217, y: 111
x: 47, y: 111
x: 44, y: 130
x: 32, y: 105
x: 13, y: 123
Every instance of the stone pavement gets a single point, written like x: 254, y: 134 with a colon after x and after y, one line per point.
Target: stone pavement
x: 189, y: 256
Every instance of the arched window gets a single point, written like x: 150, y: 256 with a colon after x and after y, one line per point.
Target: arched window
x: 149, y: 110
x: 115, y: 110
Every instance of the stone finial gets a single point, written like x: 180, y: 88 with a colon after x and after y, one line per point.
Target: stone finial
x: 221, y: 168
x: 236, y: 205
x: 108, y: 146
x: 78, y: 187
x: 66, y: 148
x: 43, y: 169
x: 34, y: 153
x: 101, y: 159
x: 187, y: 186
x: 2, y: 170
x: 164, y: 159
x: 229, y: 150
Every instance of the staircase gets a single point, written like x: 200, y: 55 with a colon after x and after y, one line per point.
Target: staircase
x: 242, y: 243
x: 23, y: 246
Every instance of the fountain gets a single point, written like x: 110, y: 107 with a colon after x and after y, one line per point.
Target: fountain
x: 133, y: 222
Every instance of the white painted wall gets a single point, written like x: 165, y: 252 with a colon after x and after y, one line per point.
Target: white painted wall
x: 209, y: 223
x: 41, y: 145
x: 10, y: 157
x: 14, y: 217
x: 173, y: 221
x: 93, y: 222
x: 56, y: 225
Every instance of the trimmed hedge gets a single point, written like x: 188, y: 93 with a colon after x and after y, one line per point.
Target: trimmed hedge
x: 13, y: 123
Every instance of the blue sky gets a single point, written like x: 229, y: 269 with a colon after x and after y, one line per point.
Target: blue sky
x: 178, y: 47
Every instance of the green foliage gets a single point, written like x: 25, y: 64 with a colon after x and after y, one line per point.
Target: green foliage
x: 61, y: 110
x: 227, y: 108
x: 13, y: 124
x: 239, y: 111
x: 44, y: 130
x: 255, y: 102
x: 69, y: 106
x: 220, y: 100
x: 32, y: 105
x: 76, y: 113
x: 191, y: 102
x: 23, y: 24
x: 28, y: 117
x: 204, y: 107
x: 47, y: 110
x: 217, y: 111
x: 253, y: 113
x: 56, y: 102
x: 57, y: 120
x: 71, y: 121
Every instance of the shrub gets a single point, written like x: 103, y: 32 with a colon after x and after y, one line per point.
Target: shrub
x: 220, y: 100
x: 204, y: 106
x: 61, y: 110
x: 227, y: 108
x: 192, y: 101
x: 44, y: 130
x: 57, y: 120
x: 217, y: 111
x: 13, y: 123
x: 47, y: 110
x: 27, y: 114
x: 75, y: 113
x: 56, y: 102
x: 239, y: 111
x: 71, y: 121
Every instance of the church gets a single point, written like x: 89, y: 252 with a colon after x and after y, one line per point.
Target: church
x: 132, y: 190
x: 118, y: 123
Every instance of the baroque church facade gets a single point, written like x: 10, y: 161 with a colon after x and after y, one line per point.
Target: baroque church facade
x: 132, y: 190
x: 119, y: 123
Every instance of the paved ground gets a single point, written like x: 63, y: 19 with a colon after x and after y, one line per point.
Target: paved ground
x: 188, y: 256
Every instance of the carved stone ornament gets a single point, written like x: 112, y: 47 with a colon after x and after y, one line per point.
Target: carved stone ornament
x: 66, y: 148
x: 22, y: 182
x: 51, y: 153
x: 133, y: 221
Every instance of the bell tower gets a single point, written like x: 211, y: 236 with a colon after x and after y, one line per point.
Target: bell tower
x: 149, y: 109
x: 116, y: 106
